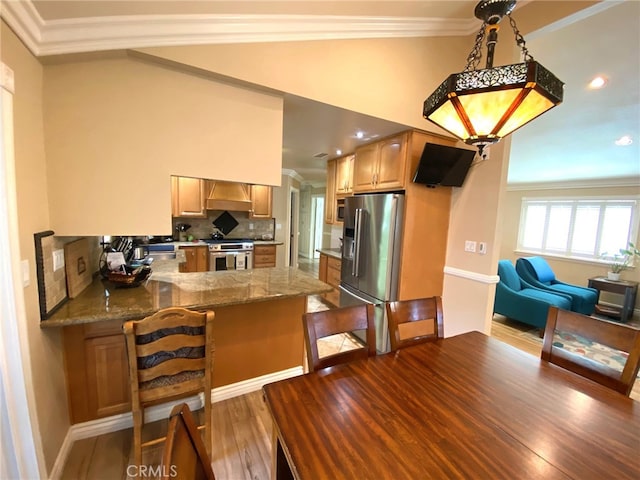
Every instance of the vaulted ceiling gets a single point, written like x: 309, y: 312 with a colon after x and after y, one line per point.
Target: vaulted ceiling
x: 572, y: 143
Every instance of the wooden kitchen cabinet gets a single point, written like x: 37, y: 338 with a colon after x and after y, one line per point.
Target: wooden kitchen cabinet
x: 264, y: 256
x: 97, y: 370
x: 197, y: 259
x: 344, y: 175
x: 188, y: 197
x: 329, y: 272
x: 261, y: 201
x: 381, y: 165
x: 330, y: 194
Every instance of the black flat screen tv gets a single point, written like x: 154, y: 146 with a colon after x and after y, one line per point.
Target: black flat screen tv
x: 443, y: 165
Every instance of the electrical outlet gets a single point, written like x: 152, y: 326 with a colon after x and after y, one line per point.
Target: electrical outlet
x: 251, y: 226
x: 482, y: 248
x: 469, y: 246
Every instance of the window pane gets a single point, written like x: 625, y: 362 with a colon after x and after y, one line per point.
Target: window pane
x: 534, y: 226
x: 559, y: 222
x: 585, y: 230
x: 615, y: 229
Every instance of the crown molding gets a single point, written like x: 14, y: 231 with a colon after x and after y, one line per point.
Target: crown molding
x: 54, y: 37
x: 293, y: 174
x: 587, y: 183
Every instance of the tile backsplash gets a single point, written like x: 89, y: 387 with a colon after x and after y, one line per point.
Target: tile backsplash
x: 247, y: 227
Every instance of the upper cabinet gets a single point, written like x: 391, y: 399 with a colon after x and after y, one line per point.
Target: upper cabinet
x: 188, y: 197
x: 381, y: 165
x: 344, y: 175
x: 261, y: 201
x: 330, y: 196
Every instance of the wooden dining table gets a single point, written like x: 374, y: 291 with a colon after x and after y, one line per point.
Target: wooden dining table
x: 467, y: 406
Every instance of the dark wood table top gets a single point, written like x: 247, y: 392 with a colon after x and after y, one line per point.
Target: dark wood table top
x: 467, y: 406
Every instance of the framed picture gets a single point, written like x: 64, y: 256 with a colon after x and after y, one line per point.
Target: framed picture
x: 52, y: 284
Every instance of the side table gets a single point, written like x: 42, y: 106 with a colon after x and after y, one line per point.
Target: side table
x: 622, y: 287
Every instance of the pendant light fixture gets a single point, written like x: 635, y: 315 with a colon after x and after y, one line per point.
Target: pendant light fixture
x: 482, y: 106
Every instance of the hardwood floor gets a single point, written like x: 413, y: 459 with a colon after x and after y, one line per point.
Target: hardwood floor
x: 241, y: 433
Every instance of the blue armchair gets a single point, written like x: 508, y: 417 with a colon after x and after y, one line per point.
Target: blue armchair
x: 537, y: 272
x: 518, y: 300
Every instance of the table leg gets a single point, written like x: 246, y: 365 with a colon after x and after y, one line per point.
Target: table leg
x: 279, y: 465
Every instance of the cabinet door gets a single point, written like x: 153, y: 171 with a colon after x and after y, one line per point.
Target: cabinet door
x: 202, y: 259
x: 330, y: 195
x: 188, y: 197
x: 191, y: 260
x: 344, y: 175
x: 391, y: 163
x: 365, y: 167
x: 322, y: 268
x: 108, y: 389
x: 261, y: 201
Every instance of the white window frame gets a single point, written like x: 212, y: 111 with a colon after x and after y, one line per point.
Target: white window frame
x: 573, y: 202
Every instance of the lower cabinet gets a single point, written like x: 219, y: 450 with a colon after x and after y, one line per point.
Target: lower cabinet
x: 97, y: 370
x: 264, y: 256
x: 197, y: 259
x: 330, y: 269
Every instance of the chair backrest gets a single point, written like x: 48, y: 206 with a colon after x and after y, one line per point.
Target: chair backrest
x: 184, y: 454
x: 508, y: 275
x: 537, y: 267
x: 319, y: 325
x: 414, y: 321
x: 613, y: 335
x: 175, y: 344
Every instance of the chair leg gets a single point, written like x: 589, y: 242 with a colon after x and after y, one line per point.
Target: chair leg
x: 137, y: 437
x: 208, y: 425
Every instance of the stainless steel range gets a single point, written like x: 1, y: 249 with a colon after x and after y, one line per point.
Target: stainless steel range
x: 230, y: 254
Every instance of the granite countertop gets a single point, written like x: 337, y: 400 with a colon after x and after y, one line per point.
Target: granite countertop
x: 166, y: 287
x: 199, y: 243
x: 332, y: 252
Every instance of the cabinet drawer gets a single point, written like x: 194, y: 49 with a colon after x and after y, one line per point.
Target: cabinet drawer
x: 264, y: 250
x: 334, y: 263
x: 264, y: 261
x: 102, y: 329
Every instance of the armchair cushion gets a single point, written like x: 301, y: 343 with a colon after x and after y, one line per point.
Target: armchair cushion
x: 542, y: 269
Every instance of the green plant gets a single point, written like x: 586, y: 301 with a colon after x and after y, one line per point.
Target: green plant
x: 619, y: 262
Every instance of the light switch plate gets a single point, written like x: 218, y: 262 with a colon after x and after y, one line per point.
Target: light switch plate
x: 469, y: 246
x: 58, y: 259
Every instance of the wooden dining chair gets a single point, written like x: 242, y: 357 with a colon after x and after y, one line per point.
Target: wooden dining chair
x: 414, y: 321
x: 184, y: 454
x: 614, y: 335
x: 170, y: 357
x: 346, y: 320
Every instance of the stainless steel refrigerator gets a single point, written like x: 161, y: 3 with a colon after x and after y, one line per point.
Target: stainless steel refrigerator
x: 372, y: 235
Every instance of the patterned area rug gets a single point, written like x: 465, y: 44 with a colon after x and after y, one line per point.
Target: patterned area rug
x: 591, y: 350
x: 587, y: 348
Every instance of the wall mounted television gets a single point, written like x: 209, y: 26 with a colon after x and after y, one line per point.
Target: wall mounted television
x: 443, y: 165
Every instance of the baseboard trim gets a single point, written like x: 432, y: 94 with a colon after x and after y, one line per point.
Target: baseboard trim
x: 247, y: 386
x: 476, y: 277
x: 122, y: 421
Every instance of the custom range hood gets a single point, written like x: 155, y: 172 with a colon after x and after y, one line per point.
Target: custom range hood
x: 228, y: 196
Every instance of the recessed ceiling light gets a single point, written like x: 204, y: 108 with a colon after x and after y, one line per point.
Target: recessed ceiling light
x: 624, y: 140
x: 338, y: 152
x: 359, y: 134
x: 597, y: 82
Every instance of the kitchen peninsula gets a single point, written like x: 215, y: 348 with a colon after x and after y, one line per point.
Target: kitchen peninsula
x: 257, y: 328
